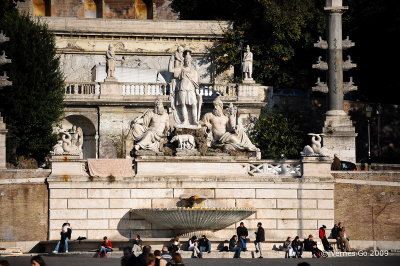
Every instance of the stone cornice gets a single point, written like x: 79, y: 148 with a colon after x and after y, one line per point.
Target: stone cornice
x: 104, y: 28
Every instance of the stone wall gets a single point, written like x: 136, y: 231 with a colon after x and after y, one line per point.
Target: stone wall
x: 286, y: 206
x: 367, y: 203
x: 23, y: 205
x: 126, y: 9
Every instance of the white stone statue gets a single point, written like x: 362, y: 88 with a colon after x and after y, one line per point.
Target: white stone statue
x: 186, y: 100
x: 224, y: 130
x: 247, y: 64
x: 71, y: 142
x: 111, y: 59
x: 150, y: 128
x: 178, y: 57
x: 185, y: 142
x: 316, y: 148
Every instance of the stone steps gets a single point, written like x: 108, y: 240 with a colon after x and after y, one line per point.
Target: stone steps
x: 90, y: 245
x: 187, y: 254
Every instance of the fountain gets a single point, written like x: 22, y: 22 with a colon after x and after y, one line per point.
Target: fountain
x: 193, y: 216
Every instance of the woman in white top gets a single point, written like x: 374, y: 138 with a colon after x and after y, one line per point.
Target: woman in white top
x: 194, y: 246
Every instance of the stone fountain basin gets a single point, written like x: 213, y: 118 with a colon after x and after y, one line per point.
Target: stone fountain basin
x: 194, y: 218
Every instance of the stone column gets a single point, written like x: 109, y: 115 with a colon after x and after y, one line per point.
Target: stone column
x: 3, y: 132
x: 338, y: 129
x: 335, y: 59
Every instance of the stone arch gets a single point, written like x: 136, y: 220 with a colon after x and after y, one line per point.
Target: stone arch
x: 42, y: 8
x: 89, y: 133
x: 143, y: 9
x: 93, y: 9
x: 129, y: 9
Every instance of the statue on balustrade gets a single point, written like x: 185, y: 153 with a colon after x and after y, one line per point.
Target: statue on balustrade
x: 247, y: 64
x: 223, y: 130
x: 186, y: 100
x: 110, y: 56
x: 151, y: 128
x: 71, y: 142
x: 316, y: 148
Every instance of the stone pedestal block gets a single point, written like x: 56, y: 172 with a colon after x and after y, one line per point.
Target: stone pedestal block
x: 340, y: 137
x: 191, y: 166
x: 248, y: 92
x: 67, y: 166
x: 316, y: 166
x: 110, y: 89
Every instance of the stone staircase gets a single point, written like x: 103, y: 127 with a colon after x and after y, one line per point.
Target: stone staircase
x: 87, y: 248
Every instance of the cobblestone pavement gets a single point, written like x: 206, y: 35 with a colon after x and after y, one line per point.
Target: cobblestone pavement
x: 353, y: 261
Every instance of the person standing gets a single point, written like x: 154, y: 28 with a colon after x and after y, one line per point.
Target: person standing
x: 260, y: 237
x: 322, y: 236
x: 242, y: 234
x: 137, y: 245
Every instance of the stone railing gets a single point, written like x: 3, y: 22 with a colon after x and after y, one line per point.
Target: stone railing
x: 210, y: 89
x: 274, y: 168
x: 137, y: 88
x: 79, y: 88
x: 207, y: 90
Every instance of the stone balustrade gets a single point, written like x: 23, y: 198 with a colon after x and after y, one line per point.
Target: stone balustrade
x: 79, y: 88
x: 207, y: 90
x: 271, y: 168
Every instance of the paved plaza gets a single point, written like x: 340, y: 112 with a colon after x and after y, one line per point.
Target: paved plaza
x: 371, y: 261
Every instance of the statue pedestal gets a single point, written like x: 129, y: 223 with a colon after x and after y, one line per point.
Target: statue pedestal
x: 248, y: 91
x: 316, y: 166
x: 65, y: 166
x: 248, y: 81
x: 110, y: 89
x: 189, y: 166
x: 340, y: 136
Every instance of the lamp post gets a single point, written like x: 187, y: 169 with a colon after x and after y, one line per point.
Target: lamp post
x: 378, y: 113
x: 368, y: 113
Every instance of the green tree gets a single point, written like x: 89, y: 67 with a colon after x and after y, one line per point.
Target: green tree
x: 276, y: 134
x: 34, y: 103
x: 281, y: 35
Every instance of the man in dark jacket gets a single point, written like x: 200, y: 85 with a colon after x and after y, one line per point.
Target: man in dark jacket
x: 336, y: 235
x: 260, y: 237
x: 242, y: 234
x: 311, y: 245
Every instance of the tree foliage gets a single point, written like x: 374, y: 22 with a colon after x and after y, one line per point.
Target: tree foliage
x: 280, y: 34
x: 276, y: 134
x: 34, y: 103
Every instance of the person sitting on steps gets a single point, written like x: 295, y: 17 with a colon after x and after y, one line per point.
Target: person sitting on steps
x: 105, y: 247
